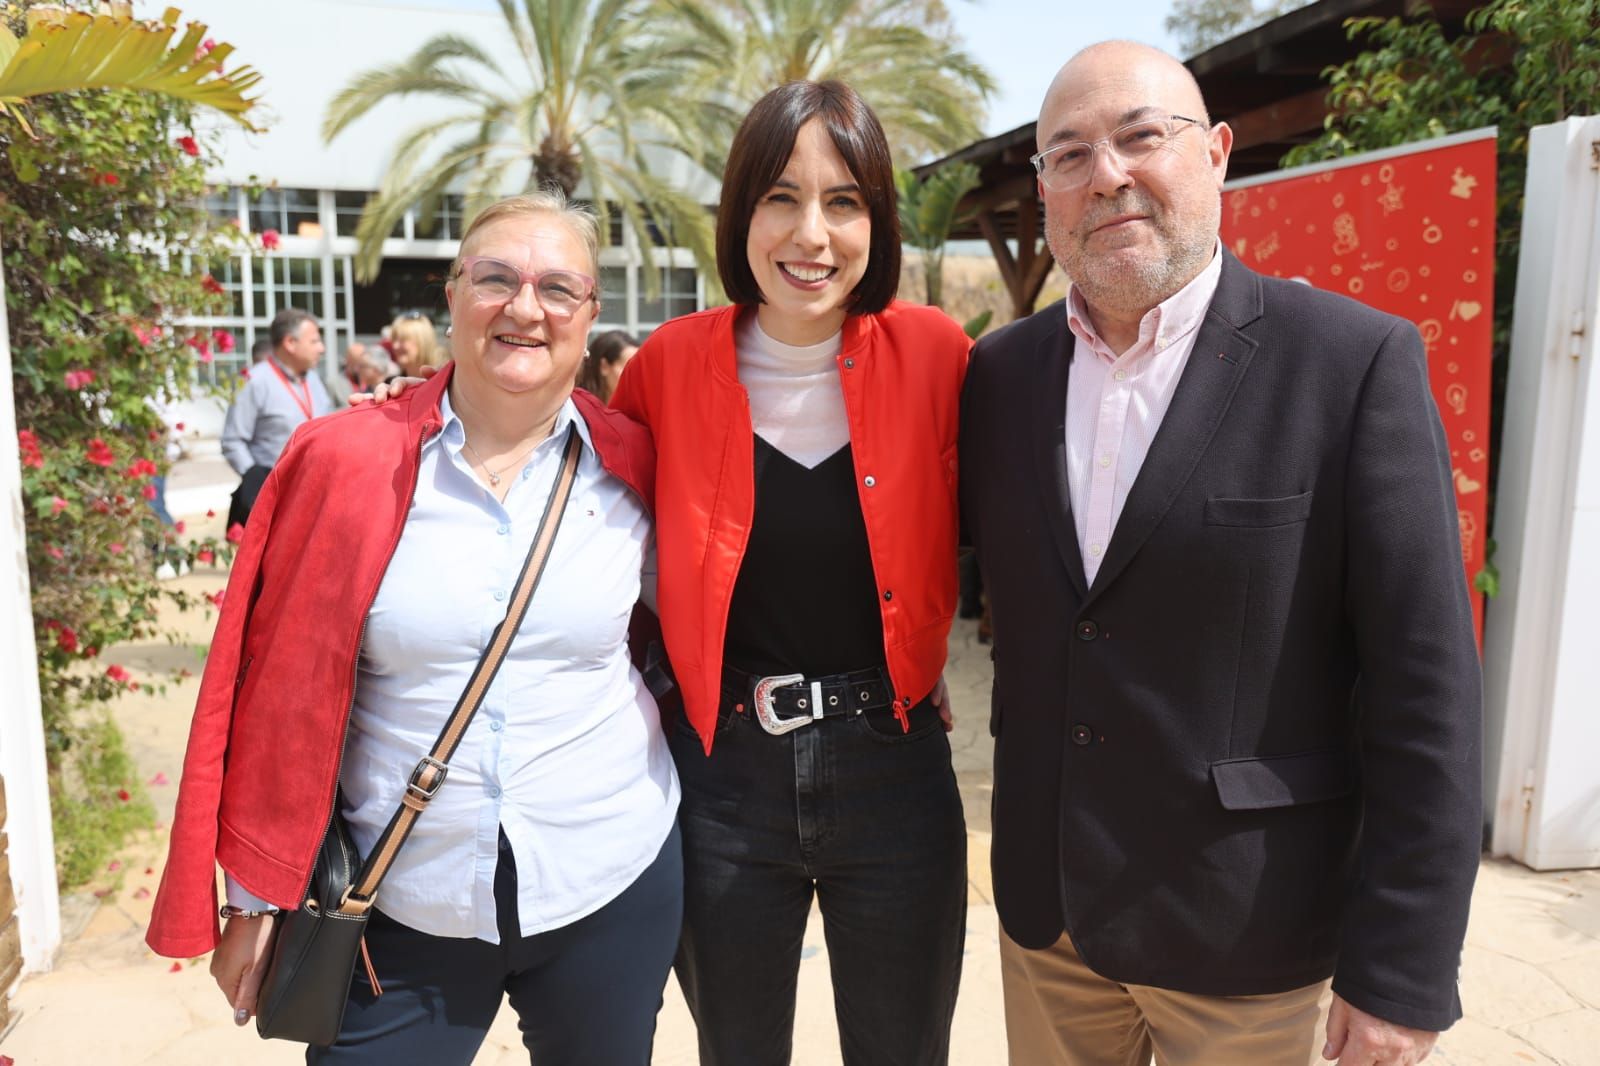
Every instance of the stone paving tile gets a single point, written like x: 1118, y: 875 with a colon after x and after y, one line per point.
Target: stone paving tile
x: 1471, y: 1043
x: 1502, y: 992
x: 1572, y: 1039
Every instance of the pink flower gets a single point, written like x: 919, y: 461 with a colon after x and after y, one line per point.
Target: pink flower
x: 223, y: 340
x: 57, y: 505
x: 235, y: 533
x: 177, y: 527
x: 115, y: 547
x: 178, y: 426
x: 147, y: 336
x: 124, y: 795
x: 212, y: 285
x: 90, y: 652
x: 189, y: 145
x: 204, y: 48
x: 79, y: 379
x: 148, y: 492
x: 269, y: 239
x: 28, y: 445
x: 216, y: 597
x: 107, y: 179
x: 211, y: 514
x: 117, y: 673
x: 205, y: 555
x: 55, y: 553
x: 100, y: 453
x: 67, y: 639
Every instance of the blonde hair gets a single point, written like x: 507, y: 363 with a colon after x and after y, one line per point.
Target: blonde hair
x: 419, y: 332
x: 551, y: 201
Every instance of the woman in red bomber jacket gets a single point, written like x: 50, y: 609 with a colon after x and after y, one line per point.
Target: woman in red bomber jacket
x: 806, y: 531
x: 376, y: 566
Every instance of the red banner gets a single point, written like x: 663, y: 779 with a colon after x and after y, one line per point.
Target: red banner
x: 1409, y: 231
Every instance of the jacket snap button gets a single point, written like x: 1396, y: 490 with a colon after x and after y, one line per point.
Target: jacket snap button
x: 869, y: 481
x: 849, y: 364
x: 888, y: 594
x: 1082, y: 734
x: 1088, y: 630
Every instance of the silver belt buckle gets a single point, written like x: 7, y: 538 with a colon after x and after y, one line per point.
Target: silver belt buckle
x: 763, y: 701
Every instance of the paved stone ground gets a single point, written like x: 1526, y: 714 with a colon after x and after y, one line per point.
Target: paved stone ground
x: 1530, y: 975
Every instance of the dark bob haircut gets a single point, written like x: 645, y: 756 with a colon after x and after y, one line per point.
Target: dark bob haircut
x: 761, y: 150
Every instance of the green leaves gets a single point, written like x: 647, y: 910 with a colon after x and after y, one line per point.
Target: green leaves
x: 110, y: 52
x: 928, y: 212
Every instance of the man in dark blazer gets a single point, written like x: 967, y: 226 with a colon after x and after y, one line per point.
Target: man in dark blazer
x: 1237, y: 692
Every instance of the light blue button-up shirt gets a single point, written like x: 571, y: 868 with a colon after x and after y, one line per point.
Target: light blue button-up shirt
x: 566, y: 751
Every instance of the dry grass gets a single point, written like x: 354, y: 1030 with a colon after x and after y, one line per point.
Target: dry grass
x: 972, y: 285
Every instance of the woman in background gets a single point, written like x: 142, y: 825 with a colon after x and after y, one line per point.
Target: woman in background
x: 609, y: 352
x: 414, y: 344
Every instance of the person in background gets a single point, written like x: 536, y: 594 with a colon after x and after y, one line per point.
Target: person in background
x: 348, y: 380
x: 548, y: 866
x: 807, y: 526
x: 272, y: 403
x: 258, y: 351
x: 415, y: 344
x: 609, y: 352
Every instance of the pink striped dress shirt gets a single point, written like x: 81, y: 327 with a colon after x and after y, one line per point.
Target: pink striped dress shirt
x: 1115, y: 404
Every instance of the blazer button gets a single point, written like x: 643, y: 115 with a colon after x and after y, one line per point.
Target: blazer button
x: 1082, y: 735
x: 1088, y: 630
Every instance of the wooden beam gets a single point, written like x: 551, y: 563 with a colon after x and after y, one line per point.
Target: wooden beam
x: 1033, y: 284
x: 1278, y: 121
x: 1015, y: 189
x: 1002, y: 252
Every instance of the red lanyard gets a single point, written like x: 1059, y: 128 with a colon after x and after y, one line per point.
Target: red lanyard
x: 303, y: 404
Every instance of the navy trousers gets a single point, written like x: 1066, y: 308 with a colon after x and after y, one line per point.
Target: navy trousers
x: 866, y: 818
x: 586, y: 994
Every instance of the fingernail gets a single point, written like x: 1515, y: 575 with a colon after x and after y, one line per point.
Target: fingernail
x: 241, y: 1016
x: 1327, y: 1051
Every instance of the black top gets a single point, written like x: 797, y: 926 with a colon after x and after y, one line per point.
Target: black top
x: 806, y: 600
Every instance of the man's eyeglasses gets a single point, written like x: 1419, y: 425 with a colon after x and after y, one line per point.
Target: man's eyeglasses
x: 1068, y: 165
x: 560, y: 292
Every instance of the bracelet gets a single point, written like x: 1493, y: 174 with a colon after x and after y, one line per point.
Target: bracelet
x: 228, y: 910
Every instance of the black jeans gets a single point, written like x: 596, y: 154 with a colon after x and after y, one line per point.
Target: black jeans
x: 869, y: 819
x: 586, y: 994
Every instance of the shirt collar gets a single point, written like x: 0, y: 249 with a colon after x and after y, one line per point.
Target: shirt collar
x: 454, y: 433
x: 290, y: 374
x: 1163, y: 325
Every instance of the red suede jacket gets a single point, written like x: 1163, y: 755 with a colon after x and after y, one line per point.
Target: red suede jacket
x: 901, y: 371
x: 265, y: 744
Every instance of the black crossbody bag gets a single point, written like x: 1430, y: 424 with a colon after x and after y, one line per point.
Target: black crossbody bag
x: 315, y: 945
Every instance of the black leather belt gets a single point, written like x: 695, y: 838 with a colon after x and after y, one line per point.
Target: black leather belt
x: 785, y: 702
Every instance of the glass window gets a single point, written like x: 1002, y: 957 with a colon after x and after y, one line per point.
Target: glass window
x: 347, y: 208
x: 679, y: 296
x: 614, y: 290
x: 222, y: 204
x: 446, y: 221
x: 285, y: 210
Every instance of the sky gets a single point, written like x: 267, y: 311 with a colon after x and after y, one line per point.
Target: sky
x: 1021, y: 42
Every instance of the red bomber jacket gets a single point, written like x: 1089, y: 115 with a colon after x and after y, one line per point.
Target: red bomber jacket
x: 901, y: 370
x: 266, y: 740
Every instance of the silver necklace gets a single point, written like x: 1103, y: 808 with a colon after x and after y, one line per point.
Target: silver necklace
x: 494, y: 478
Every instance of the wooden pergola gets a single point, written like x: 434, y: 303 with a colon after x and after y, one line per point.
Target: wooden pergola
x: 1265, y: 83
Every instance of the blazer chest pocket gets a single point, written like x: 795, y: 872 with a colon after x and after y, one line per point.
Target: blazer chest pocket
x: 1283, y: 780
x: 1283, y: 511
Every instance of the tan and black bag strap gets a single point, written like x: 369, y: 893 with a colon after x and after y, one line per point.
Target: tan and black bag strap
x: 430, y: 772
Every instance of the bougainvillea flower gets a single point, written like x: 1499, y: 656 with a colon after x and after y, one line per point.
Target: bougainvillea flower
x: 212, y: 285
x: 55, y: 553
x: 216, y: 597
x: 67, y: 639
x: 100, y: 453
x: 57, y: 505
x: 107, y: 179
x: 269, y: 239
x: 28, y: 445
x: 205, y: 555
x: 177, y: 527
x: 189, y: 145
x: 148, y: 492
x: 235, y: 533
x: 223, y: 340
x: 124, y: 795
x: 79, y: 379
x: 116, y: 673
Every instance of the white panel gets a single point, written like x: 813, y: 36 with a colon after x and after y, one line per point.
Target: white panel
x: 1541, y: 667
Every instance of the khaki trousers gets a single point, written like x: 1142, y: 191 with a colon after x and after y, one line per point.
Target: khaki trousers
x: 1061, y: 1013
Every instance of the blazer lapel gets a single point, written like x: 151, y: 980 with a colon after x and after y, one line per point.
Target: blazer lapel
x: 1221, y: 354
x: 1052, y: 363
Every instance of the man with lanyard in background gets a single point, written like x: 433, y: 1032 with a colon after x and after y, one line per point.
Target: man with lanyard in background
x: 271, y: 403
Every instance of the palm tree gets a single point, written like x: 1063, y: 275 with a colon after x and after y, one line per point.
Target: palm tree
x: 900, y: 55
x: 592, y: 97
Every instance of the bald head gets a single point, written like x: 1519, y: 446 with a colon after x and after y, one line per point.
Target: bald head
x: 1125, y: 68
x: 1131, y: 173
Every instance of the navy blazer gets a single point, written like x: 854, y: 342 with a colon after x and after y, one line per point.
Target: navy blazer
x: 1248, y: 756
